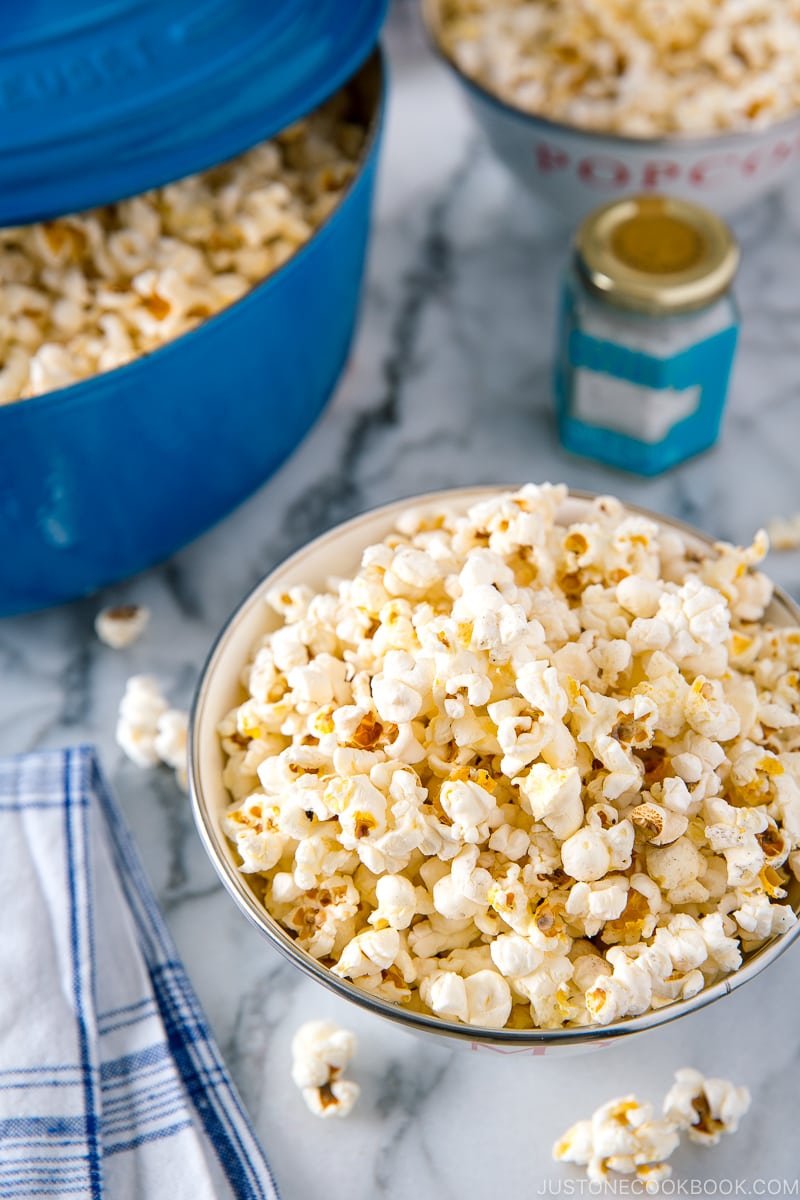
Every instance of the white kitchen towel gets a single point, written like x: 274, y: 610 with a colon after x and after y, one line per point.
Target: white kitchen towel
x: 111, y: 1085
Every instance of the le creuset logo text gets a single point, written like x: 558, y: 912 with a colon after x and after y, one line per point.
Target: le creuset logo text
x: 113, y: 62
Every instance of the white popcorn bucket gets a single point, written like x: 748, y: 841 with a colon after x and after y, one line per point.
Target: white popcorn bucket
x: 575, y: 170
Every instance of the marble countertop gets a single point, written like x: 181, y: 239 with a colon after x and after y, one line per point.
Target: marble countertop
x: 449, y: 384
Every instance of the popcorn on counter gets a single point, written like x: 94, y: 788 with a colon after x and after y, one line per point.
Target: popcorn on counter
x: 705, y: 1108
x: 624, y: 1137
x: 87, y: 293
x: 519, y: 773
x: 641, y: 70
x: 320, y: 1052
x: 784, y: 532
x: 149, y: 731
x: 121, y: 625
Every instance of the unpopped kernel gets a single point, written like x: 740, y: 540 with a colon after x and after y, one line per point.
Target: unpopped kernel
x: 90, y: 292
x: 521, y: 772
x: 679, y: 66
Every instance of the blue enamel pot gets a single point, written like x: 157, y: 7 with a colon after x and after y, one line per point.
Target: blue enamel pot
x: 115, y: 473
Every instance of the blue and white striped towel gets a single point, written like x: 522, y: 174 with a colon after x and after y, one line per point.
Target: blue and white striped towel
x: 110, y: 1083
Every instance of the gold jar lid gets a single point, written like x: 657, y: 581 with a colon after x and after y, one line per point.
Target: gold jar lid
x: 656, y: 254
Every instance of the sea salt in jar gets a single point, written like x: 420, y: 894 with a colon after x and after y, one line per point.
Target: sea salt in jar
x: 647, y: 334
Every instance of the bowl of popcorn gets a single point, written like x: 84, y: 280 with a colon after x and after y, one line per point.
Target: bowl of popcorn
x: 161, y: 354
x: 518, y: 768
x: 587, y: 101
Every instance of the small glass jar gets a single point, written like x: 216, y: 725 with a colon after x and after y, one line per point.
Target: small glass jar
x: 647, y: 334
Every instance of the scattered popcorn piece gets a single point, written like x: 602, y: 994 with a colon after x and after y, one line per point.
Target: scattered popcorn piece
x: 320, y: 1052
x: 170, y: 743
x: 336, y: 1099
x: 140, y: 710
x: 519, y: 771
x: 624, y: 1137
x: 784, y: 532
x: 120, y: 625
x: 705, y: 1108
x: 149, y: 732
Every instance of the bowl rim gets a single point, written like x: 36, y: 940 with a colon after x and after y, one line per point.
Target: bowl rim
x: 74, y: 392
x: 724, y: 138
x: 234, y: 882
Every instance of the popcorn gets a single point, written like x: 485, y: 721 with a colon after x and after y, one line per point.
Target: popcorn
x: 622, y: 1136
x: 488, y: 1000
x: 515, y: 956
x: 469, y: 806
x: 321, y: 917
x: 784, y: 532
x: 735, y: 835
x: 690, y: 67
x: 170, y: 743
x: 553, y: 797
x: 361, y: 809
x: 658, y: 826
x: 140, y: 710
x: 368, y: 954
x: 598, y: 902
x: 688, y: 942
x: 503, y: 737
x: 675, y: 864
x: 445, y: 994
x: 395, y: 700
x: 253, y: 828
x: 707, y: 712
x: 548, y: 992
x: 320, y: 1052
x: 586, y: 855
x: 397, y: 902
x: 591, y: 853
x: 104, y: 287
x: 758, y: 919
x: 318, y: 855
x: 628, y: 990
x: 705, y: 1108
x: 149, y: 732
x: 119, y: 626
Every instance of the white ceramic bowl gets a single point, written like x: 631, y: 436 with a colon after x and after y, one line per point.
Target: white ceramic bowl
x: 219, y: 690
x: 575, y: 170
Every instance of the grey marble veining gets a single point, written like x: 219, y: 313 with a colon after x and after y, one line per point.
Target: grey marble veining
x: 449, y: 384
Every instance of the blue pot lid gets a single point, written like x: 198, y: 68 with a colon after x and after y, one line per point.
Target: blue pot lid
x: 101, y: 99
